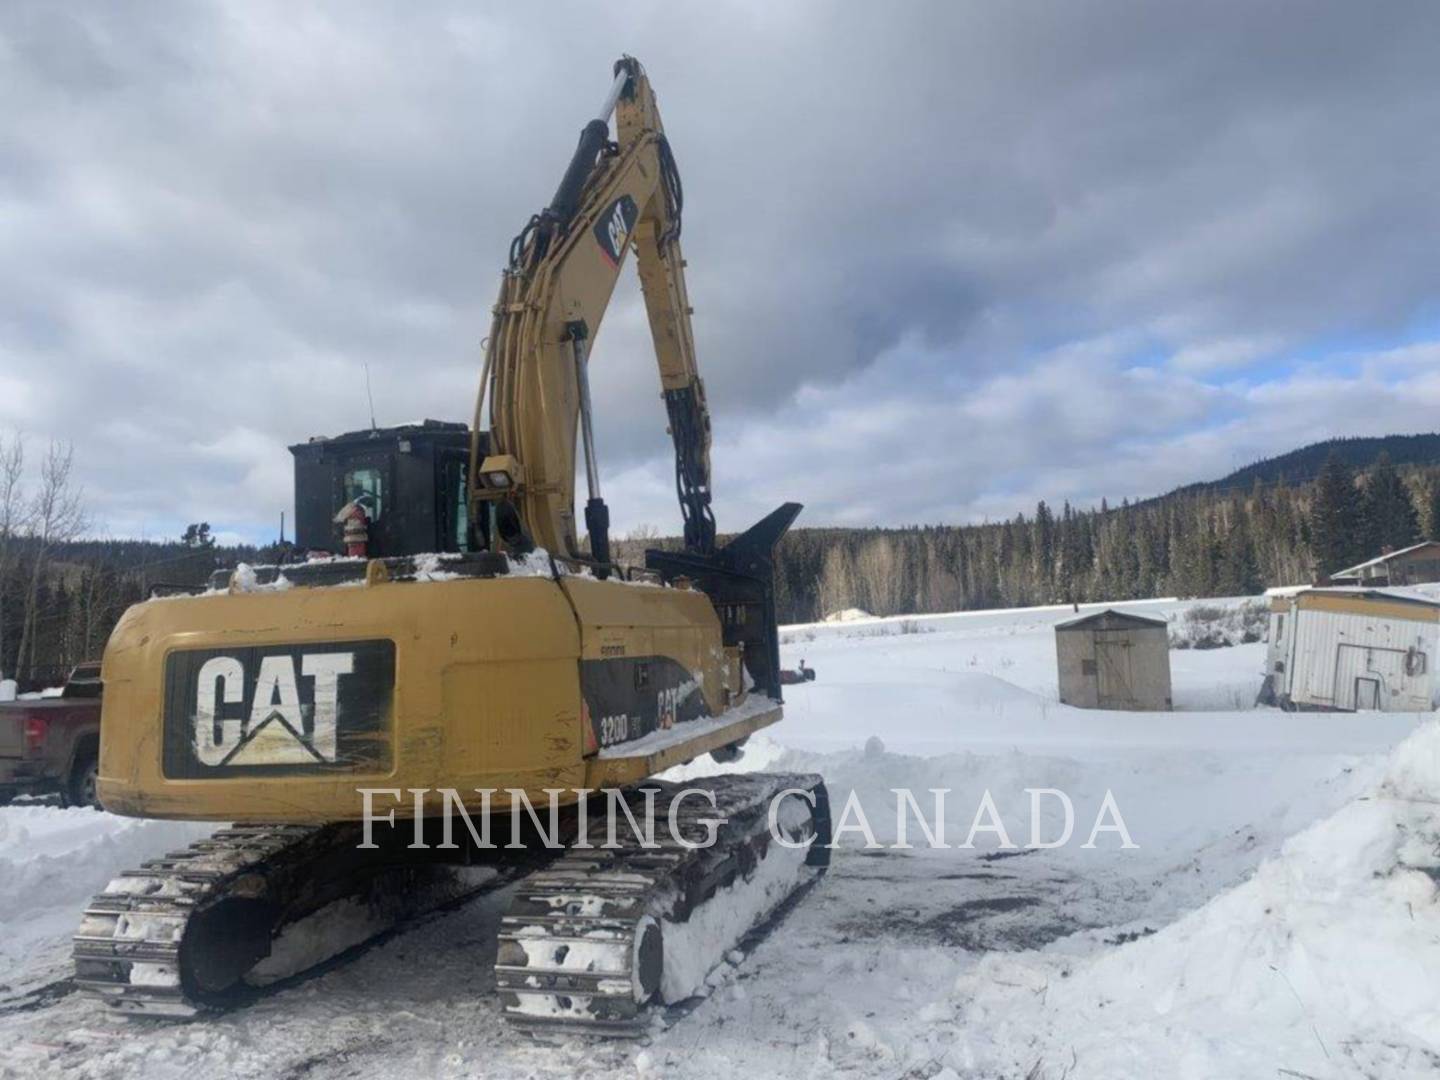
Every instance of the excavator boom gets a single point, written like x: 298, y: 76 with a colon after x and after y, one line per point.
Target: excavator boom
x: 614, y: 197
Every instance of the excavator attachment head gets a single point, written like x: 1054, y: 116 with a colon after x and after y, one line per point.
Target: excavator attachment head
x: 739, y: 579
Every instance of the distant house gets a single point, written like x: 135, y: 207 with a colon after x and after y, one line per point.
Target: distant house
x: 1347, y: 649
x: 1114, y: 660
x: 1418, y: 564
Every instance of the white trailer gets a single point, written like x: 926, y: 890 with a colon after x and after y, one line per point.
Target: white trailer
x: 1350, y: 649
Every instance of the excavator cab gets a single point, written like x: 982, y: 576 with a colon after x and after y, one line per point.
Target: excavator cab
x: 405, y: 486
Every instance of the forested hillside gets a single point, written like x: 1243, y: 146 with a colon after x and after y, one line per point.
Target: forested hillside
x: 1188, y: 544
x: 1303, y: 465
x: 1204, y: 540
x: 1302, y: 513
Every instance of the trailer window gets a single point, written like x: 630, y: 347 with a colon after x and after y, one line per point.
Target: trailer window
x: 366, y: 486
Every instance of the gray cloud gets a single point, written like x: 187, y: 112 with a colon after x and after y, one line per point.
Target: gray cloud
x: 992, y: 252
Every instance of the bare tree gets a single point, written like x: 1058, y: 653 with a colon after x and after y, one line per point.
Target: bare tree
x: 13, y: 516
x: 86, y: 606
x: 837, y: 585
x: 57, y: 515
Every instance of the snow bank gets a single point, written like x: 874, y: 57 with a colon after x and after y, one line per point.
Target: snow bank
x: 928, y: 675
x: 52, y: 861
x: 990, y: 616
x: 1323, y: 963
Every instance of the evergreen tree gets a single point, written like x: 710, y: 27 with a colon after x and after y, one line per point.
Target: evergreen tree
x: 1389, y: 512
x: 197, y: 535
x: 1336, y: 536
x: 1432, y: 509
x: 1044, y: 550
x: 1239, y: 572
x: 1065, y: 578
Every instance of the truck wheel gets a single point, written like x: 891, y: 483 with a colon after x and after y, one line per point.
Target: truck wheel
x: 81, y: 790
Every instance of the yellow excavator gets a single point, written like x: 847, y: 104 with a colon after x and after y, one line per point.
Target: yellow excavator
x: 443, y: 641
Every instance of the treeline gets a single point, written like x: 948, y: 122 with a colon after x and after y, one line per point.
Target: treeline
x: 60, y: 595
x: 81, y: 591
x: 1192, y: 544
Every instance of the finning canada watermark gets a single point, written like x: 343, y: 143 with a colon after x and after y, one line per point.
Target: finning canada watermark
x: 485, y: 822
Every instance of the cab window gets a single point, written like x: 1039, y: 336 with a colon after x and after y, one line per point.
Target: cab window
x: 366, y: 487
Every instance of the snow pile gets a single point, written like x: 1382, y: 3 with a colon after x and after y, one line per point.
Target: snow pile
x: 52, y: 861
x: 432, y: 567
x: 1322, y: 964
x: 245, y: 580
x: 49, y: 856
x: 536, y: 563
x: 850, y: 614
x: 1208, y: 626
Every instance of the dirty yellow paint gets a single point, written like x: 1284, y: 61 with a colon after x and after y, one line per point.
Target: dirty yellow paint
x: 486, y: 691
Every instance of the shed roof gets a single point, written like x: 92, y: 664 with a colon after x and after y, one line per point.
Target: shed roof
x: 1354, y: 571
x: 1111, y: 619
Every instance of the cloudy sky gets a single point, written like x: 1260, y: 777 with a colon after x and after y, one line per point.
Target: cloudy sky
x: 946, y: 258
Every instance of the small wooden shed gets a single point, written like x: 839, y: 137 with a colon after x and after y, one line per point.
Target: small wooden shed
x: 1114, y: 660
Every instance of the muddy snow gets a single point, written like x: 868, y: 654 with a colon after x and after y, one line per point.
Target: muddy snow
x: 1274, y: 914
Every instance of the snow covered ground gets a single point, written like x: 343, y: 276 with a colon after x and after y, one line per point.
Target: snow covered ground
x: 1278, y: 916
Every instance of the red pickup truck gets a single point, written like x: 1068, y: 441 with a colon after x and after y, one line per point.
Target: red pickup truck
x: 52, y: 744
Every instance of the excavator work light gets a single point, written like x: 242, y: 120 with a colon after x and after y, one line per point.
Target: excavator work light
x: 500, y: 473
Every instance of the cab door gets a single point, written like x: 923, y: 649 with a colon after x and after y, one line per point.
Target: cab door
x: 452, y: 518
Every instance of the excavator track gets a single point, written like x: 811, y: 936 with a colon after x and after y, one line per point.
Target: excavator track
x: 593, y: 942
x: 195, y: 930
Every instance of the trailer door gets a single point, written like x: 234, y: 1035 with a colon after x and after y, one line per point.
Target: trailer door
x: 1367, y: 693
x: 1368, y: 678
